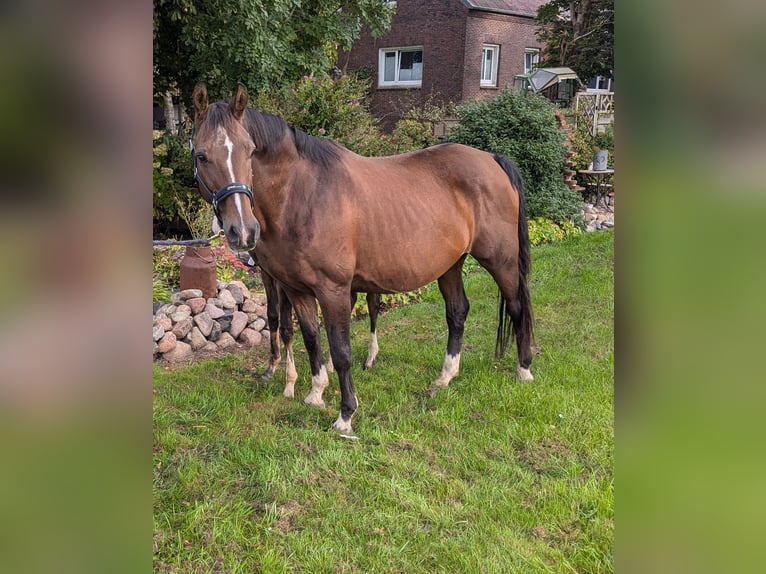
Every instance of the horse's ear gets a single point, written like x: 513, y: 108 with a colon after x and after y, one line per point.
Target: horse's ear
x: 199, y: 97
x: 239, y: 102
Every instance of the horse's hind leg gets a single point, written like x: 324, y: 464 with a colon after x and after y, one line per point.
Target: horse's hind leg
x: 373, y: 306
x: 272, y: 314
x: 456, y: 304
x: 287, y: 333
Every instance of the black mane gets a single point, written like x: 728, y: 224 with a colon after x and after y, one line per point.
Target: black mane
x: 268, y: 131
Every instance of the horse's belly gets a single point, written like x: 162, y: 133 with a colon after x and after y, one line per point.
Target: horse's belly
x: 398, y: 272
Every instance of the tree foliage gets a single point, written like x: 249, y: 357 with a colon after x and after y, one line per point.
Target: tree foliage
x: 262, y: 43
x: 578, y: 34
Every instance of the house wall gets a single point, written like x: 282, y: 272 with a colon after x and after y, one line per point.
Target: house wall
x: 452, y: 37
x: 512, y: 33
x: 436, y: 25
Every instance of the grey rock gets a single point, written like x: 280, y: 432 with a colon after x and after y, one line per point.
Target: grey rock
x: 214, y: 311
x: 164, y: 320
x: 158, y: 331
x: 215, y: 332
x: 198, y: 340
x: 259, y: 324
x: 196, y: 304
x: 167, y: 343
x: 190, y: 294
x: 249, y: 306
x: 204, y: 322
x: 227, y: 299
x: 225, y: 321
x: 236, y: 292
x: 238, y: 323
x: 182, y: 328
x: 225, y: 341
x: 245, y: 291
x: 181, y: 352
x: 250, y: 337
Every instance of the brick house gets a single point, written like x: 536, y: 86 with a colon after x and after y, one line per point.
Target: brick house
x: 446, y: 51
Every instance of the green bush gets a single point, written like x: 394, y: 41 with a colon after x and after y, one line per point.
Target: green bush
x: 332, y: 107
x: 522, y: 126
x: 173, y: 179
x: 543, y: 230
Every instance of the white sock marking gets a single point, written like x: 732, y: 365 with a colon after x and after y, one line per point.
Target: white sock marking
x: 372, y: 350
x: 524, y: 374
x: 450, y: 370
x: 318, y: 385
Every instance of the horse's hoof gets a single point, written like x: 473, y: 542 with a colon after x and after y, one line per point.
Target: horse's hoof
x: 289, y: 393
x: 368, y: 364
x: 314, y: 401
x: 523, y: 374
x: 343, y: 427
x: 267, y: 374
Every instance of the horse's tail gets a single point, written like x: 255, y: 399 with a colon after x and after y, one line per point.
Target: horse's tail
x: 506, y: 327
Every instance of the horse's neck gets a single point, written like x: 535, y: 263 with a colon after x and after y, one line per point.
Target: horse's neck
x: 272, y: 182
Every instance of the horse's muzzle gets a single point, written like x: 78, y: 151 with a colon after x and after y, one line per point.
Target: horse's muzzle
x: 243, y: 238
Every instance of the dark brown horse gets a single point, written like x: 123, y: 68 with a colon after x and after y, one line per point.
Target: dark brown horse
x: 325, y: 221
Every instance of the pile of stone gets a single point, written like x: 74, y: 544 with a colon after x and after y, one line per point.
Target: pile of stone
x: 191, y: 323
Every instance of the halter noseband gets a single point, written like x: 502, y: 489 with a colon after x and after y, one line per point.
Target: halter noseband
x: 217, y: 197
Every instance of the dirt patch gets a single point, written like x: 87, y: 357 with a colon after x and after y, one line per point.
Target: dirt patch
x: 287, y: 513
x: 545, y: 455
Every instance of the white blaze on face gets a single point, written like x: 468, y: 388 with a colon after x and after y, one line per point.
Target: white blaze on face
x: 229, y: 145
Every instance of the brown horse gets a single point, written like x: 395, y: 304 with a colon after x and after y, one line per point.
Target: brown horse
x: 325, y: 221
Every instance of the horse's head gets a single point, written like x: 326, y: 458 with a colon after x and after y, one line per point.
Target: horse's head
x: 221, y: 154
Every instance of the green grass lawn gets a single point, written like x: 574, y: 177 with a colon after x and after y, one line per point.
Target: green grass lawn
x: 489, y: 475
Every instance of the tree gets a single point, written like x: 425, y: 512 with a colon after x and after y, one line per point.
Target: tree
x: 262, y: 43
x: 578, y: 34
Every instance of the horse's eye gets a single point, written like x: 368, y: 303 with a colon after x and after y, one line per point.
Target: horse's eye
x: 252, y: 151
x: 202, y: 157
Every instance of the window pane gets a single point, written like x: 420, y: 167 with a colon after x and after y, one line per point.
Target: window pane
x: 410, y: 66
x: 389, y: 67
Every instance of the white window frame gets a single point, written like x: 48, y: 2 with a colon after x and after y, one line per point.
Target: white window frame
x: 490, y: 82
x: 382, y: 83
x: 535, y: 59
x: 599, y: 80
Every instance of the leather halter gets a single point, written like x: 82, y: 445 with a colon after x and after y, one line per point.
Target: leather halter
x: 216, y: 197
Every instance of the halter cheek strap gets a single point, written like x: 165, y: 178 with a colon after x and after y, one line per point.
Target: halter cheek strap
x: 216, y: 197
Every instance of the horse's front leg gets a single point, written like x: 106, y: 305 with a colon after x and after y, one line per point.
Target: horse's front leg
x: 337, y: 317
x: 306, y: 310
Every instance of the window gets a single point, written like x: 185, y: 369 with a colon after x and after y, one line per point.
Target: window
x: 489, y: 58
x: 600, y: 84
x: 400, y: 67
x: 531, y: 59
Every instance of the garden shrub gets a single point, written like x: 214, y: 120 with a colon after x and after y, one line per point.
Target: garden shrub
x: 331, y: 107
x: 522, y: 126
x: 173, y: 179
x: 543, y: 230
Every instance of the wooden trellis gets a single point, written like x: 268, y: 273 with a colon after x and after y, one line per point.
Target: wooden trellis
x: 598, y: 107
